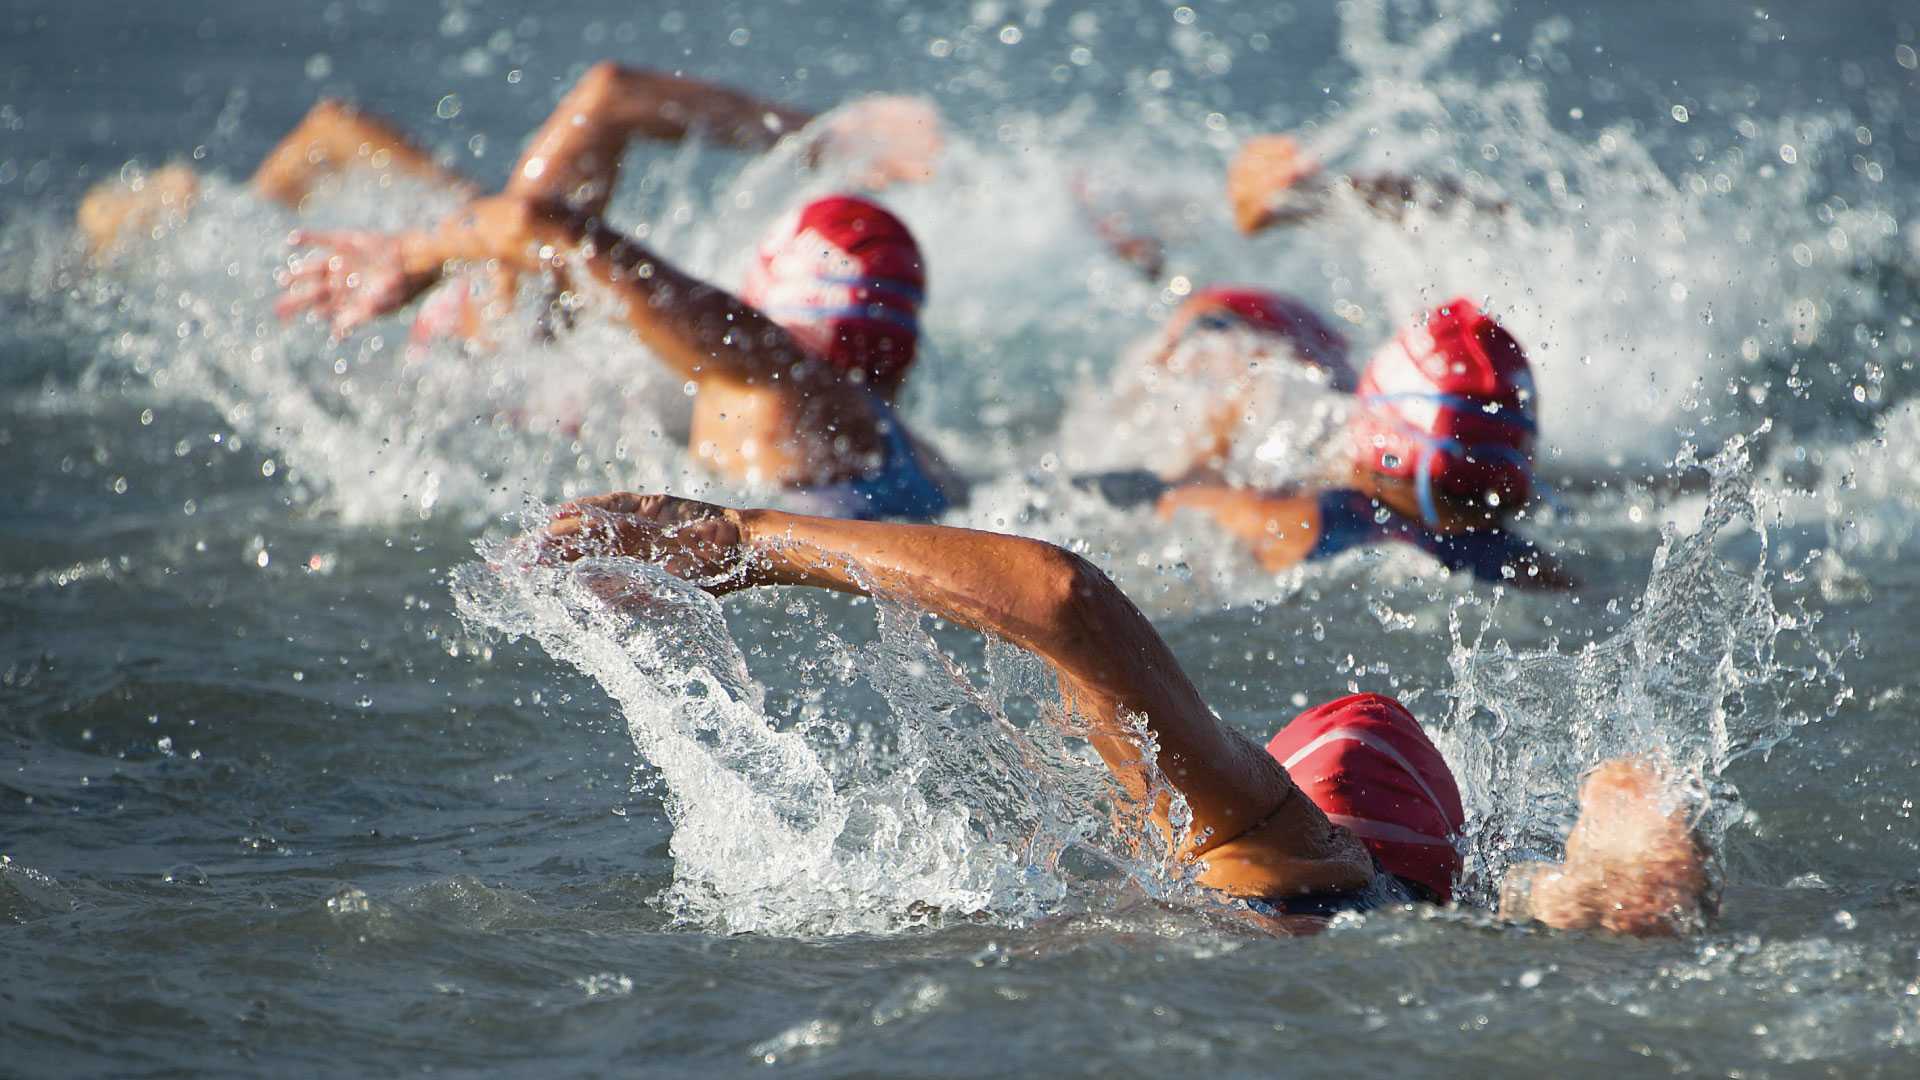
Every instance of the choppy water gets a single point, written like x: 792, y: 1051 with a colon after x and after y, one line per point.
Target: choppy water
x: 280, y: 796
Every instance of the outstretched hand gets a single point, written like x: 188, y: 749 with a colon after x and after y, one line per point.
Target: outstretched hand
x: 695, y: 541
x: 892, y: 138
x: 1633, y: 862
x: 1267, y: 168
x: 356, y: 276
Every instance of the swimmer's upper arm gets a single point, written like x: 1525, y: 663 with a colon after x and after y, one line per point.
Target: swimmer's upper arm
x: 1112, y: 663
x: 698, y: 329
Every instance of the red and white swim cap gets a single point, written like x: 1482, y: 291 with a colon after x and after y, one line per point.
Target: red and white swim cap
x: 1272, y: 314
x: 1450, y: 405
x: 1366, y: 764
x: 844, y: 277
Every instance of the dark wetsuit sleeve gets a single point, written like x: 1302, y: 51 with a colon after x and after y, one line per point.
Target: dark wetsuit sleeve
x: 1123, y: 489
x: 1350, y: 519
x: 1487, y: 554
x: 1346, y: 522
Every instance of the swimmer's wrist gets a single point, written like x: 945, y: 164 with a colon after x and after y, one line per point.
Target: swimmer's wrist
x: 420, y: 257
x: 765, y: 546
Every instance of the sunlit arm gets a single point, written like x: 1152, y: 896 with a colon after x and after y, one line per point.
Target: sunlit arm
x: 702, y: 331
x: 1258, y: 837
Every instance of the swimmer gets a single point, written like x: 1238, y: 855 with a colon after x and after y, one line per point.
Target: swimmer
x: 332, y: 138
x: 1438, y: 438
x: 796, y: 376
x: 1441, y: 458
x: 1233, y: 356
x: 574, y: 156
x: 1273, y: 182
x: 1350, y: 806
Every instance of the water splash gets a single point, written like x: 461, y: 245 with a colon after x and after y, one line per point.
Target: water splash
x: 901, y: 787
x: 1647, y: 267
x: 1695, y: 676
x: 1642, y: 290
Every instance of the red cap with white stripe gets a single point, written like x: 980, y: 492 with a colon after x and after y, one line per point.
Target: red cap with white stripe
x: 843, y: 276
x: 1271, y: 314
x: 1364, y: 761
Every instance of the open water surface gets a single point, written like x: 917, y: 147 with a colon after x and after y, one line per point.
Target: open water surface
x: 292, y: 783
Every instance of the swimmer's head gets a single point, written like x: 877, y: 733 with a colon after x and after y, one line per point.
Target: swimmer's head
x: 845, y: 278
x: 1448, y: 408
x: 1365, y: 762
x: 1269, y: 315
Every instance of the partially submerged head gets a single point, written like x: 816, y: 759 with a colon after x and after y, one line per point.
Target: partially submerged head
x: 1266, y: 318
x: 845, y: 278
x: 1365, y: 762
x: 1446, y: 418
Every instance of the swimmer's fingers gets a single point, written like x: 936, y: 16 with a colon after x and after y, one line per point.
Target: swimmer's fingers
x: 568, y: 539
x: 617, y: 502
x: 691, y: 540
x: 300, y: 298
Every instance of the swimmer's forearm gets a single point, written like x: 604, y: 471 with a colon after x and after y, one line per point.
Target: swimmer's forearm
x: 673, y: 107
x: 1279, y: 530
x: 1020, y: 589
x: 700, y: 330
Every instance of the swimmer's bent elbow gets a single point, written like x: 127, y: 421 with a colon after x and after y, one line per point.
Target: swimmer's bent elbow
x: 1075, y: 604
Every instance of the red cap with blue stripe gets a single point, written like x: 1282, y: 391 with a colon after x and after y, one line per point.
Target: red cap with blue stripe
x: 1450, y: 405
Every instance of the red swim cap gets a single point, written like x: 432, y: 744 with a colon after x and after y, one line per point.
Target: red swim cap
x: 1273, y: 314
x: 843, y: 276
x: 1450, y: 405
x: 1364, y: 761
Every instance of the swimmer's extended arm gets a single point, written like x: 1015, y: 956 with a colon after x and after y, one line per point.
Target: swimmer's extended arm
x: 1271, y: 182
x: 1110, y: 660
x: 1279, y: 530
x: 701, y: 331
x: 574, y: 158
x: 335, y: 136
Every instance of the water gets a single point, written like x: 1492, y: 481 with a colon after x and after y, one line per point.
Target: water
x: 282, y: 796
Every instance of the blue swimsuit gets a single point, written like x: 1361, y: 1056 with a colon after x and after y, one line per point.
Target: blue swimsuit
x: 899, y: 488
x: 1348, y: 519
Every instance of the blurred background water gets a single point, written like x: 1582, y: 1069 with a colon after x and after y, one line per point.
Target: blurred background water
x: 271, y: 803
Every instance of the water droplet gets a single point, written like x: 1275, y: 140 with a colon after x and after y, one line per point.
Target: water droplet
x: 185, y: 874
x: 348, y: 900
x: 448, y: 108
